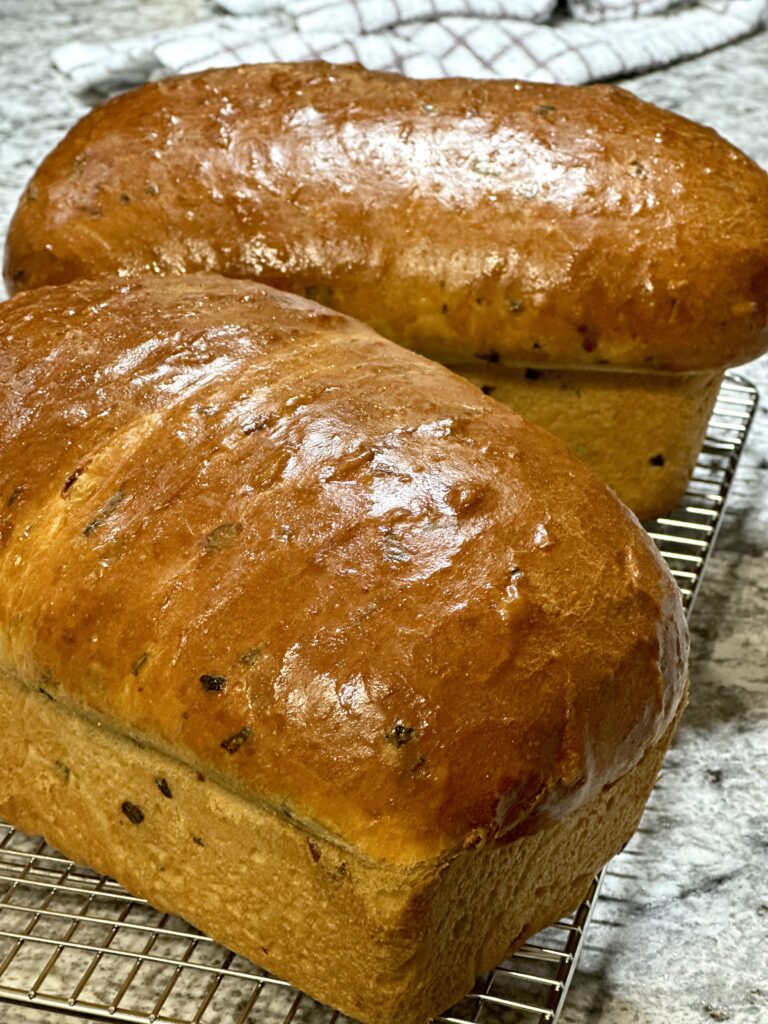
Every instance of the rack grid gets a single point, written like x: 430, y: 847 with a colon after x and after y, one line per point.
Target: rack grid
x: 74, y: 941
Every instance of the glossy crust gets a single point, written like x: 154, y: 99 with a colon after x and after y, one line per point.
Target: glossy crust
x: 326, y: 572
x: 535, y: 224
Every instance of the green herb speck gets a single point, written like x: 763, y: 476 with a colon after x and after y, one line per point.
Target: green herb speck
x: 393, y: 547
x: 71, y: 478
x: 105, y: 512
x: 250, y: 657
x: 233, y: 743
x: 400, y: 734
x: 139, y: 664
x: 213, y: 684
x: 165, y: 789
x: 132, y: 812
x: 254, y: 425
x: 15, y: 494
x: 223, y: 536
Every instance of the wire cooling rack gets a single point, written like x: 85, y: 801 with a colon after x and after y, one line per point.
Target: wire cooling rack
x: 74, y: 941
x: 687, y: 538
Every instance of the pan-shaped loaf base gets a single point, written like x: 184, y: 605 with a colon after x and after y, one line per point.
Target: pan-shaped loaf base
x: 639, y: 432
x: 388, y: 944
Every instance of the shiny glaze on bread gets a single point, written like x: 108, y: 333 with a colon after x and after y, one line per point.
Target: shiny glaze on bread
x: 329, y: 573
x: 508, y: 221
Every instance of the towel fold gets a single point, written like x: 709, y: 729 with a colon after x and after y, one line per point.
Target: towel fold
x: 581, y: 41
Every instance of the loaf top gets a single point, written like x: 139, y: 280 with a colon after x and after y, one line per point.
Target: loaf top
x: 322, y: 570
x: 517, y: 222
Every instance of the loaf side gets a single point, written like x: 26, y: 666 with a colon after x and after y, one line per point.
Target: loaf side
x: 386, y: 944
x: 640, y: 433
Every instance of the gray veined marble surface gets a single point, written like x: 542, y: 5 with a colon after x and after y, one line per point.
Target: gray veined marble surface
x: 681, y: 935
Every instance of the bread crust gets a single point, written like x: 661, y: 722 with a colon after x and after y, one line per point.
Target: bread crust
x: 641, y: 433
x: 318, y: 568
x: 529, y: 223
x: 386, y: 944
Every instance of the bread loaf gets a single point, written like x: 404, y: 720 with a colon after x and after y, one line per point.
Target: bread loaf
x: 498, y: 227
x: 305, y: 639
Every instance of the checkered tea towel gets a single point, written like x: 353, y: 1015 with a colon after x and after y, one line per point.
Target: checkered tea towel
x: 578, y: 41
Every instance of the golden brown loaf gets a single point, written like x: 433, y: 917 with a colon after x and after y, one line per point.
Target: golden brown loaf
x: 405, y: 640
x: 538, y: 225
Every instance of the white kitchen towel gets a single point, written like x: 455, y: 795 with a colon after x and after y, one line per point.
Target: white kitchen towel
x: 581, y: 41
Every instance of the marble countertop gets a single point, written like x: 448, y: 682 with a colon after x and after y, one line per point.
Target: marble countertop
x: 683, y: 937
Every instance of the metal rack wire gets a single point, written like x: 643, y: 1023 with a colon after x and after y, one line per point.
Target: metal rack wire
x: 74, y: 941
x: 687, y: 538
